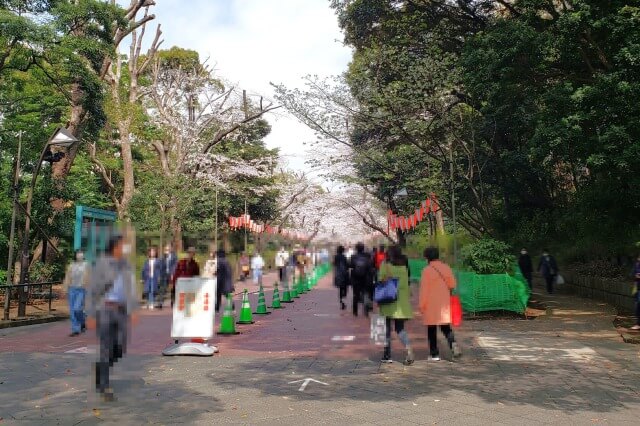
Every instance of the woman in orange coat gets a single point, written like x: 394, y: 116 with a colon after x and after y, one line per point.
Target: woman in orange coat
x: 436, y: 284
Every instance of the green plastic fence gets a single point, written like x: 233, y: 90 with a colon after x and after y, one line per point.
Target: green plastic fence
x: 492, y: 292
x: 480, y: 293
x: 415, y: 268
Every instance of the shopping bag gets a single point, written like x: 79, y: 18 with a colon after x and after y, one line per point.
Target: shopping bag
x: 386, y: 291
x: 559, y: 279
x: 456, y: 311
x: 378, y: 329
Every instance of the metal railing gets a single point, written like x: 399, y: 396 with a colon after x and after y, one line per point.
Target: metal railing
x: 33, y: 295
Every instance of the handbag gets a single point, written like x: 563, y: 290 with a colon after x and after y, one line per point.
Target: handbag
x: 559, y: 280
x: 378, y: 330
x: 456, y: 311
x: 386, y: 291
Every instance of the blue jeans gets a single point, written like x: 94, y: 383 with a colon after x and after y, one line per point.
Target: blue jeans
x: 76, y: 308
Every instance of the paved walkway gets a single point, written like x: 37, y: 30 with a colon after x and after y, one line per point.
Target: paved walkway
x: 568, y: 366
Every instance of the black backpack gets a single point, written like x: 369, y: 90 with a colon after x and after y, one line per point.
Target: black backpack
x: 360, y: 266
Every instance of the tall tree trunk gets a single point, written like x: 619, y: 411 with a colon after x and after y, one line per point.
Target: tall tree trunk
x: 176, y: 227
x: 440, y: 222
x: 127, y: 171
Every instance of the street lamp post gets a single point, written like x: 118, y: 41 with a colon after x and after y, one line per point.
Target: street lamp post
x: 60, y: 138
x: 16, y: 180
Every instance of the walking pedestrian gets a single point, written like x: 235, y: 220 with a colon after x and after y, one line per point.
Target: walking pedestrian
x: 169, y: 262
x: 399, y: 311
x: 186, y: 268
x: 257, y: 265
x: 526, y: 267
x: 224, y: 278
x: 210, y: 266
x: 112, y: 300
x: 436, y: 285
x: 300, y: 261
x: 282, y: 257
x: 636, y: 275
x: 152, y: 277
x: 244, y: 266
x: 549, y: 269
x: 361, y: 278
x: 74, y: 285
x: 341, y: 275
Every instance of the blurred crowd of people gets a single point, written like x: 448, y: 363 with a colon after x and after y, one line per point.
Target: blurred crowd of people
x: 361, y: 271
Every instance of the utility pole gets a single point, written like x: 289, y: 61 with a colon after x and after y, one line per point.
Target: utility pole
x: 16, y: 179
x: 245, y: 225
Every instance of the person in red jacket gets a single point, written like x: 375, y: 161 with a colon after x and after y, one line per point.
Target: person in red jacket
x: 187, y: 267
x: 381, y: 256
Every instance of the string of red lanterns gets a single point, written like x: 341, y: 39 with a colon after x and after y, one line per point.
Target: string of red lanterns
x: 405, y: 223
x: 245, y: 222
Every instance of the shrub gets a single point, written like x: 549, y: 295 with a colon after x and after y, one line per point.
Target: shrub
x: 488, y: 256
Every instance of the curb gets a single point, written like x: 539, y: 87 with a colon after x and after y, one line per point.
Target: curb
x: 32, y: 321
x: 631, y: 338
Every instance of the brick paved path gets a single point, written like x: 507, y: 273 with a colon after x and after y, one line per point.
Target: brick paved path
x: 567, y: 367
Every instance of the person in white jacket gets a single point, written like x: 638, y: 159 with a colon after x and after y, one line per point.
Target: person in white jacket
x: 257, y: 264
x: 282, y: 258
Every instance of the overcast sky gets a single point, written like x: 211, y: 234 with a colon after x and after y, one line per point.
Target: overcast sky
x: 255, y: 42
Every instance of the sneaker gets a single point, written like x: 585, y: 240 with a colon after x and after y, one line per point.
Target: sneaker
x: 410, y: 357
x: 457, y: 352
x: 151, y: 307
x: 635, y: 327
x: 434, y: 358
x: 74, y: 334
x: 386, y: 360
x: 108, y: 395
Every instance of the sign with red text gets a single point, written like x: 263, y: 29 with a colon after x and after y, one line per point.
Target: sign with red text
x: 194, y: 308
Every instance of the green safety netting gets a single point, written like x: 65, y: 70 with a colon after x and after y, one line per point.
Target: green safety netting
x: 492, y: 292
x: 480, y: 293
x: 415, y: 268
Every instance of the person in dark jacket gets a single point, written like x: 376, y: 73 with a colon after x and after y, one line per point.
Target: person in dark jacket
x: 341, y: 274
x: 361, y: 268
x: 526, y: 267
x: 636, y: 276
x: 152, y: 273
x: 549, y: 269
x: 224, y: 278
x: 187, y: 267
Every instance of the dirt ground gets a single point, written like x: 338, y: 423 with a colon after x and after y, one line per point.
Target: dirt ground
x: 39, y: 307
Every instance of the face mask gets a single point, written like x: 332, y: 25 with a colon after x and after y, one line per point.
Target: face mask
x: 126, y: 249
x: 523, y: 252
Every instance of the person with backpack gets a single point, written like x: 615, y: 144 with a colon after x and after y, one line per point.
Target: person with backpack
x: 436, y: 286
x: 549, y: 269
x: 400, y: 310
x: 224, y: 278
x: 341, y: 274
x: 361, y: 278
